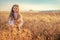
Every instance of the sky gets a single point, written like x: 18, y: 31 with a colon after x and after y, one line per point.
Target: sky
x: 26, y: 5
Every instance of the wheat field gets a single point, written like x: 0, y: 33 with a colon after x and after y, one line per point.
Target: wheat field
x: 42, y: 25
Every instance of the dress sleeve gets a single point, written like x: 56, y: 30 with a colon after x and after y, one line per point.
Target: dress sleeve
x: 11, y: 22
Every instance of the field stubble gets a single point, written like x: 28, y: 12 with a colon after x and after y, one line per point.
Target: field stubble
x: 37, y: 26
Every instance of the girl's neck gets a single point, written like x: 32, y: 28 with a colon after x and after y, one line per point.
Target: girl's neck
x: 15, y: 12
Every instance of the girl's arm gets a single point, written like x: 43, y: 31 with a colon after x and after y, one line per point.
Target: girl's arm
x: 21, y: 21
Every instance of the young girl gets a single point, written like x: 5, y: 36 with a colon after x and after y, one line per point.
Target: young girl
x: 15, y: 17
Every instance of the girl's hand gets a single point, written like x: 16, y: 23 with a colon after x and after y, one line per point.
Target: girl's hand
x: 15, y: 22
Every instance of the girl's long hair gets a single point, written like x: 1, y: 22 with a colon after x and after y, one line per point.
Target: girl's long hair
x: 12, y: 12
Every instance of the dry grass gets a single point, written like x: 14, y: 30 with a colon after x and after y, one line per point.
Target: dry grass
x: 37, y: 26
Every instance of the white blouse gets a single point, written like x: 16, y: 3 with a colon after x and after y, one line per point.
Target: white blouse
x: 11, y: 22
x: 15, y: 15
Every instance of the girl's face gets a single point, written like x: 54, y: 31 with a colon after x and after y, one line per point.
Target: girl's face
x: 15, y: 9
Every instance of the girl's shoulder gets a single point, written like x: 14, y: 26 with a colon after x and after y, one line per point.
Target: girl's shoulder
x: 11, y: 18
